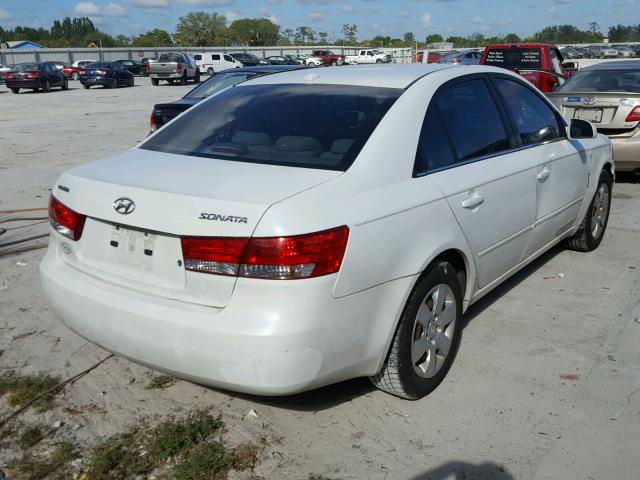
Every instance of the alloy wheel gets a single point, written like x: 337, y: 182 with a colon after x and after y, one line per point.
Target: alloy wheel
x: 600, y: 211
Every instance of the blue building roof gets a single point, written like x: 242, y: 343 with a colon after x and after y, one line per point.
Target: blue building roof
x: 22, y: 44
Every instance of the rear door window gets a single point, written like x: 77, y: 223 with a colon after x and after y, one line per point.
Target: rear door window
x: 511, y: 58
x: 215, y: 57
x: 228, y: 58
x: 472, y: 119
x: 535, y: 121
x: 434, y: 147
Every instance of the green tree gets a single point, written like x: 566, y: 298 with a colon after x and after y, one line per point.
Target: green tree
x: 303, y: 34
x: 200, y: 29
x: 512, y: 38
x: 153, y: 38
x: 122, y: 41
x: 322, y: 38
x: 409, y: 37
x: 434, y: 38
x: 255, y: 31
x: 350, y: 32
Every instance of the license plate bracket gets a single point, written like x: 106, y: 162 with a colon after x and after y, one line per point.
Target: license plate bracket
x: 132, y: 247
x: 590, y: 114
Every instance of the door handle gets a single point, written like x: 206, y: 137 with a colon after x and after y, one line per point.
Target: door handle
x: 472, y: 201
x: 544, y: 174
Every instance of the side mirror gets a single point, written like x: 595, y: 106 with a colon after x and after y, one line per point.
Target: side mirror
x: 581, y: 129
x: 570, y: 66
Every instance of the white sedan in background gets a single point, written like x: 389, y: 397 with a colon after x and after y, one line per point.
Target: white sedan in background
x: 255, y: 246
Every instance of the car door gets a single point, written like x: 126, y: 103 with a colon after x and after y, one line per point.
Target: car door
x: 563, y: 165
x: 490, y: 185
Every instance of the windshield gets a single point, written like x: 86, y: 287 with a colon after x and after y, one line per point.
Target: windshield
x: 270, y: 124
x: 169, y: 57
x: 603, y: 81
x: 522, y: 58
x: 220, y: 82
x: 26, y: 67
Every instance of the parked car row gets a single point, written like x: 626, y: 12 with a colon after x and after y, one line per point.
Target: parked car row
x: 43, y: 76
x: 601, y: 51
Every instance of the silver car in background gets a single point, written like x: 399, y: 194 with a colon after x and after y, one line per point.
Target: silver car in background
x: 607, y: 95
x: 463, y: 58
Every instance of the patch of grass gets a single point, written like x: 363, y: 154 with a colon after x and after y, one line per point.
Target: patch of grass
x: 23, y: 389
x: 175, y: 436
x: 209, y: 461
x: 33, y: 435
x: 117, y: 458
x: 161, y: 381
x: 53, y: 466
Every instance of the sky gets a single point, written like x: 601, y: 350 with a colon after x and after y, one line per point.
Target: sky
x: 373, y: 17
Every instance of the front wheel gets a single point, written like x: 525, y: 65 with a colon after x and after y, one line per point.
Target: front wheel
x: 47, y: 86
x: 427, y: 336
x: 132, y: 82
x: 86, y: 87
x: 594, y: 223
x: 155, y: 82
x: 15, y: 90
x: 65, y: 84
x: 333, y: 64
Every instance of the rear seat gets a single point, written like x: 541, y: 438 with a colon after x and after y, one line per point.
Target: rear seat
x: 254, y: 141
x: 338, y: 149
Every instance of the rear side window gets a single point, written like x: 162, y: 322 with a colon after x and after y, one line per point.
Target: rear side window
x: 228, y: 58
x: 434, y: 148
x: 215, y: 57
x: 523, y: 58
x: 271, y: 124
x: 534, y: 120
x: 471, y: 117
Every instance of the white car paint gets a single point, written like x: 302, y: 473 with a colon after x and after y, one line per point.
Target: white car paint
x: 279, y: 337
x: 214, y: 62
x: 314, y: 61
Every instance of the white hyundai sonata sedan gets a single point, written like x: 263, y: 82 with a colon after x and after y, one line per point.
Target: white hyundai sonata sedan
x: 260, y: 245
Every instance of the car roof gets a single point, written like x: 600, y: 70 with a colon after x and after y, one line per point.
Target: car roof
x: 616, y: 65
x: 264, y: 69
x: 385, y: 76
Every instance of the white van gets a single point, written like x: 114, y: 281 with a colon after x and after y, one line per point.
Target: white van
x: 214, y: 62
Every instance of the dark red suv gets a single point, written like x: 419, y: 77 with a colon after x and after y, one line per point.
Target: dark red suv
x: 328, y: 57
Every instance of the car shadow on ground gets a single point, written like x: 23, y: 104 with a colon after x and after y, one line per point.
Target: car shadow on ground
x: 458, y: 470
x: 24, y: 91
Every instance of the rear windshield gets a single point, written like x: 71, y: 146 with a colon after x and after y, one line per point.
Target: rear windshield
x: 26, y: 67
x: 98, y: 65
x: 311, y: 126
x: 219, y: 82
x: 169, y: 57
x: 524, y: 58
x: 603, y: 81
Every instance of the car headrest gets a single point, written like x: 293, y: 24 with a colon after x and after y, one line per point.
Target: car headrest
x: 340, y: 146
x: 252, y: 138
x: 290, y: 143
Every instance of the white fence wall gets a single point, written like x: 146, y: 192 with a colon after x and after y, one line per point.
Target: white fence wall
x: 70, y: 55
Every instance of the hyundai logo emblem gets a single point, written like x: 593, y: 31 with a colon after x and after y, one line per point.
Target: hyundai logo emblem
x: 589, y: 101
x: 124, y: 206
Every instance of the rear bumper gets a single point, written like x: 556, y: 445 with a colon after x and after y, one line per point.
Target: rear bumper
x: 96, y: 81
x: 273, y: 338
x: 35, y: 83
x: 166, y: 76
x: 626, y: 152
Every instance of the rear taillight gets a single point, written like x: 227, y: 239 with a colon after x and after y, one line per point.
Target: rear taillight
x: 178, y: 67
x: 634, y: 115
x: 102, y: 72
x: 64, y: 220
x: 275, y: 258
x: 152, y: 121
x: 7, y: 75
x: 33, y: 74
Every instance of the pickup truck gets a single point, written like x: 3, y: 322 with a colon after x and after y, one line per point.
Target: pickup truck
x: 368, y: 56
x: 328, y: 57
x: 540, y: 63
x: 174, y: 67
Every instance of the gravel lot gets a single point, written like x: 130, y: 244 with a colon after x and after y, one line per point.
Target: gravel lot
x: 544, y: 386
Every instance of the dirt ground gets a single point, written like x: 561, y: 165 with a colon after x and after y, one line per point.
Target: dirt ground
x: 545, y: 386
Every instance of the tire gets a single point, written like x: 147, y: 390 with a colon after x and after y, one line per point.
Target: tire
x: 378, y: 60
x: 47, y: 86
x: 65, y: 84
x: 415, y: 364
x: 15, y: 90
x: 196, y: 78
x: 75, y: 76
x: 594, y: 223
x: 114, y: 83
x: 210, y: 71
x: 334, y: 63
x: 132, y: 82
x: 86, y: 87
x: 155, y: 82
x: 183, y: 79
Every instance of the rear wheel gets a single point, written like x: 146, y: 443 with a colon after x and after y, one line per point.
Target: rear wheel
x: 47, y: 86
x: 75, y: 76
x: 114, y: 83
x: 183, y: 79
x: 15, y: 90
x: 132, y: 82
x: 86, y: 87
x: 378, y: 60
x: 210, y: 71
x: 155, y: 82
x: 427, y: 336
x: 196, y: 78
x: 65, y: 84
x: 334, y: 63
x: 594, y: 223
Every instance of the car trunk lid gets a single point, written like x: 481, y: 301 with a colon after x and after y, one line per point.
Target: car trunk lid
x: 139, y: 248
